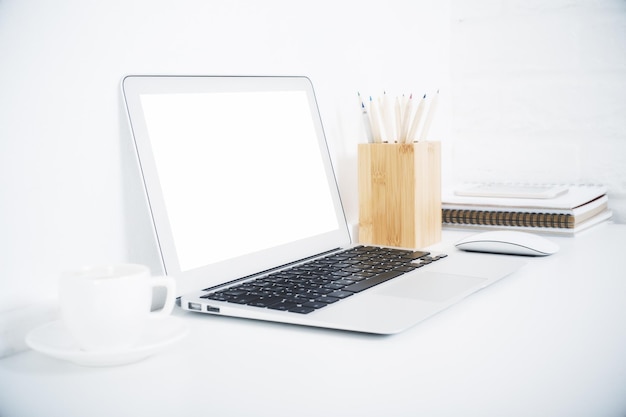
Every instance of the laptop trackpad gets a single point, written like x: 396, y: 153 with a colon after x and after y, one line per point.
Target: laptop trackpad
x: 432, y: 286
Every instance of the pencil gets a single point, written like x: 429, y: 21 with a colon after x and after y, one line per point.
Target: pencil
x: 407, y: 115
x: 374, y: 123
x: 429, y: 117
x: 411, y: 137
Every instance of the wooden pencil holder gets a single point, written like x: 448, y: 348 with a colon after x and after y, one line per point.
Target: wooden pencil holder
x: 400, y: 194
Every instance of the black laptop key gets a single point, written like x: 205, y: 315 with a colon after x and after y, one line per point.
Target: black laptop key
x: 369, y: 283
x: 265, y: 301
x: 301, y: 309
x: 322, y: 291
x: 344, y: 282
x: 234, y: 293
x: 327, y: 299
x: 315, y: 304
x: 283, y: 306
x: 416, y: 255
x: 341, y: 274
x: 334, y: 286
x: 406, y: 268
x: 244, y: 299
x: 341, y: 294
x: 217, y: 297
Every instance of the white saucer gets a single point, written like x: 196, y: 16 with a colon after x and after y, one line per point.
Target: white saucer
x: 52, y: 339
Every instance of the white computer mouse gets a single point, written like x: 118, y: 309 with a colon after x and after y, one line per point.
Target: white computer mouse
x: 510, y: 242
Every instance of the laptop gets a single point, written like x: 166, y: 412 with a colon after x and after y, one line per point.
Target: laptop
x: 244, y: 201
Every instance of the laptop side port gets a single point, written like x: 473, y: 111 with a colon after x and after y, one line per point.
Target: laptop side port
x: 194, y: 306
x: 212, y: 309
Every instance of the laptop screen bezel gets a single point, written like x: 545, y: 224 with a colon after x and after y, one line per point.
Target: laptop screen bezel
x: 133, y: 86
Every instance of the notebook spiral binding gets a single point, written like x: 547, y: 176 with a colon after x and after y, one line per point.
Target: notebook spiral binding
x: 507, y: 218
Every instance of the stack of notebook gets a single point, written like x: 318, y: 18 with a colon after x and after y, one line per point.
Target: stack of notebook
x: 574, y: 208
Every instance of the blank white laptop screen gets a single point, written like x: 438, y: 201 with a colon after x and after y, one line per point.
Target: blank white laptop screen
x: 237, y: 174
x: 210, y: 151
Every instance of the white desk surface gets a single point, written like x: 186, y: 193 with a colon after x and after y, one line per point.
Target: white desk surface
x: 549, y: 340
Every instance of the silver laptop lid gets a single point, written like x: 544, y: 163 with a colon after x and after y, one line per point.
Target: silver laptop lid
x: 237, y: 173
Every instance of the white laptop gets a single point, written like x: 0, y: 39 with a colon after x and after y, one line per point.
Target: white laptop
x: 244, y: 203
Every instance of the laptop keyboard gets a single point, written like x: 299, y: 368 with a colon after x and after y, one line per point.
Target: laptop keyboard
x: 315, y: 284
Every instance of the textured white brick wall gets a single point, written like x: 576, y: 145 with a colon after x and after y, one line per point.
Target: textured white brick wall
x: 539, y: 92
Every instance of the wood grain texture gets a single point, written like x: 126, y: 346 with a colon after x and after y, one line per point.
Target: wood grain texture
x: 400, y: 194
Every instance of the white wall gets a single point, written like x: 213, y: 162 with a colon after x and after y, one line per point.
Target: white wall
x: 539, y: 92
x: 70, y: 193
x: 532, y: 90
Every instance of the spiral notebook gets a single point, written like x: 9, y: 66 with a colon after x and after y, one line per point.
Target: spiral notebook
x: 574, y: 208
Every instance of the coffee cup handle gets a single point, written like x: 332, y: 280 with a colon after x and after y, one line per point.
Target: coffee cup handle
x: 170, y: 285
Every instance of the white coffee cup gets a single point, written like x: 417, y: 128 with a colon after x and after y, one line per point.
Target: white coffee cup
x: 105, y: 308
